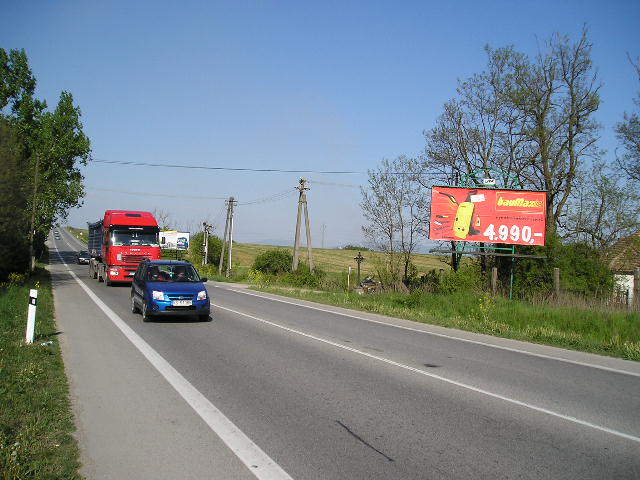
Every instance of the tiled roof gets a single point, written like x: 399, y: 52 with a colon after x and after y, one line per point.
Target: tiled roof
x: 624, y: 255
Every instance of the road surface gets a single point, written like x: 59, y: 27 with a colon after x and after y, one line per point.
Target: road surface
x: 277, y: 388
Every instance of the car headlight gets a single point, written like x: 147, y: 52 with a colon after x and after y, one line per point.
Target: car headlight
x: 202, y: 295
x: 158, y: 295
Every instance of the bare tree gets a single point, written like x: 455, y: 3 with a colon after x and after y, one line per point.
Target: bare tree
x: 628, y: 133
x: 603, y: 208
x: 530, y: 121
x: 163, y: 218
x: 395, y: 207
x: 479, y: 131
x: 557, y: 94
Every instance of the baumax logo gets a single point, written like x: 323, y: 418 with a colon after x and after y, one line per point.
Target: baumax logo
x: 532, y: 203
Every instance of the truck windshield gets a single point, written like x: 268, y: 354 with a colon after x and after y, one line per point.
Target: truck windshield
x: 143, y: 238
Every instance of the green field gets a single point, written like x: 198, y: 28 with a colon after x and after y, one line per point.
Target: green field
x: 328, y: 260
x: 334, y: 260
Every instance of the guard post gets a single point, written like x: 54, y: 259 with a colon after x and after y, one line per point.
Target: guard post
x: 31, y: 315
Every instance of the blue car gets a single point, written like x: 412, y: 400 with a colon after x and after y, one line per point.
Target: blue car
x: 171, y: 288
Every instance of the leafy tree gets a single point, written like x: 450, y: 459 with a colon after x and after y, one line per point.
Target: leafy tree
x: 14, y: 248
x: 53, y: 142
x: 355, y: 247
x: 196, y: 251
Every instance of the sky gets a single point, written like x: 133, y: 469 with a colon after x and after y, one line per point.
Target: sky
x: 284, y: 85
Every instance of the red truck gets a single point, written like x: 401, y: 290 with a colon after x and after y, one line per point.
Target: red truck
x: 119, y: 242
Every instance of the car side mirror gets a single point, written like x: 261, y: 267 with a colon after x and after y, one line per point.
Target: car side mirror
x: 204, y: 279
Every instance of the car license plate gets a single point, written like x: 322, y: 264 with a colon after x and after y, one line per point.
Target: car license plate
x: 181, y: 303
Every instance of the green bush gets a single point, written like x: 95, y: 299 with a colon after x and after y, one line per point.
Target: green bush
x: 468, y: 278
x: 196, y: 249
x: 303, y: 277
x: 273, y: 262
x: 583, y: 270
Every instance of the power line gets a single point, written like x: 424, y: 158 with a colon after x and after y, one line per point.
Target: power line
x: 245, y: 169
x: 233, y: 169
x: 271, y: 198
x: 147, y: 194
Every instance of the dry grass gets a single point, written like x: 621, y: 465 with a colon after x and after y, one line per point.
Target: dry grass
x: 334, y: 261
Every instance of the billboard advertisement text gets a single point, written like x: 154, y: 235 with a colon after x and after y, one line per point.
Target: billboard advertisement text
x: 515, y: 217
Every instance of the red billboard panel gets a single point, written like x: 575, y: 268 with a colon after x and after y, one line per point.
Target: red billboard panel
x: 515, y: 217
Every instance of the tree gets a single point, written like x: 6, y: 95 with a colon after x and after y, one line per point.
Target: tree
x: 53, y: 142
x: 163, y: 218
x: 528, y: 119
x: 14, y: 248
x: 557, y: 94
x: 604, y: 208
x: 628, y: 133
x: 395, y: 207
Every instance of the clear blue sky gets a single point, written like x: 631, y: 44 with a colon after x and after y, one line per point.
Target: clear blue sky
x: 331, y: 85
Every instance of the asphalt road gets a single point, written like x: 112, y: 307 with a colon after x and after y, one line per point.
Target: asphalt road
x: 280, y: 388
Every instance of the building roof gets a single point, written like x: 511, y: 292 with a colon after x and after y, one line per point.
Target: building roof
x: 624, y: 256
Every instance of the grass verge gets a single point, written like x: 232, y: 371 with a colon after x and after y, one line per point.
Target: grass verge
x: 612, y: 333
x: 36, y: 422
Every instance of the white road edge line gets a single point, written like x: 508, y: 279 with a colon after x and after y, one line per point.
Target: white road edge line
x: 442, y: 335
x: 256, y: 460
x: 438, y: 377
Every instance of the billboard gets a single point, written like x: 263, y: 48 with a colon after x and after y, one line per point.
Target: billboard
x: 515, y: 217
x: 174, y: 240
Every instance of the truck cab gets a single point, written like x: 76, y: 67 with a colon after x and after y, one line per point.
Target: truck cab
x: 119, y: 242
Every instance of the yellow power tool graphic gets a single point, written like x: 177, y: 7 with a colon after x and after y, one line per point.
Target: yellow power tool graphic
x: 464, y: 216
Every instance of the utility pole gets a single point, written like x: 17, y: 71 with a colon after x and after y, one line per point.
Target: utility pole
x: 302, y: 204
x: 228, y: 237
x: 324, y: 228
x: 231, y: 204
x: 205, y: 243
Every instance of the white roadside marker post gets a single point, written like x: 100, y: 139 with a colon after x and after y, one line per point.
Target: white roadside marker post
x: 31, y: 315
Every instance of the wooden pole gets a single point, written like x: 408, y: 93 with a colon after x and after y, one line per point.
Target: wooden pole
x: 556, y: 282
x: 494, y: 281
x: 636, y: 288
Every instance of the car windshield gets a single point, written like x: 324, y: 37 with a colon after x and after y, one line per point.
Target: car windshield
x: 84, y: 252
x: 172, y: 273
x: 145, y: 238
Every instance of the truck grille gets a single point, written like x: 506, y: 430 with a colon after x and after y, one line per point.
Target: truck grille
x: 133, y: 258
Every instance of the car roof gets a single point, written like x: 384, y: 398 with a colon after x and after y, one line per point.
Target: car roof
x: 168, y: 262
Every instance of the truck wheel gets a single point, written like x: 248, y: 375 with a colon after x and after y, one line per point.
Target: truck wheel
x: 146, y: 317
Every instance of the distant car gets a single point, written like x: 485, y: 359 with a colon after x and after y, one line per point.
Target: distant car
x: 167, y: 288
x: 83, y: 257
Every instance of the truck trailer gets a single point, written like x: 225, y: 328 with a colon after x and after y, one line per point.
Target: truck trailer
x: 119, y: 242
